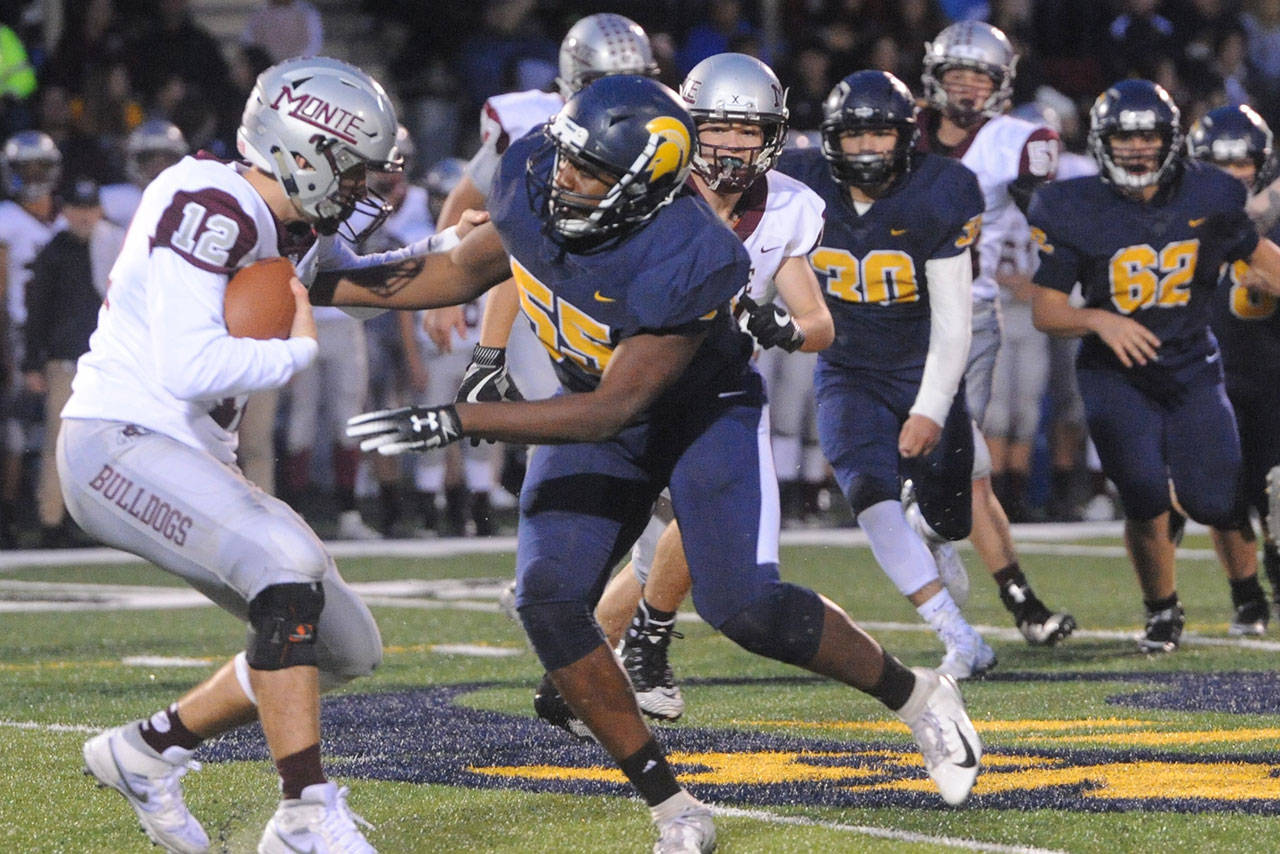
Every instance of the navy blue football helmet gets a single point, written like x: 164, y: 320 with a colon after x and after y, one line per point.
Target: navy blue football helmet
x: 1135, y: 105
x: 1234, y: 133
x: 628, y: 130
x: 869, y: 100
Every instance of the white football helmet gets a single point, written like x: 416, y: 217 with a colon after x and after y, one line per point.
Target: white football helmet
x: 318, y: 125
x: 736, y: 87
x: 154, y: 146
x: 31, y: 165
x: 600, y: 45
x: 974, y: 45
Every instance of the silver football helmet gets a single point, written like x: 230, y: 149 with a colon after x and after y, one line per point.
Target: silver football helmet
x: 732, y: 87
x: 154, y: 146
x: 600, y: 45
x: 974, y: 45
x: 31, y: 165
x: 319, y: 125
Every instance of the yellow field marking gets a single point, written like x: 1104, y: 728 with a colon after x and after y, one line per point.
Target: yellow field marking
x: 902, y: 772
x: 1136, y: 733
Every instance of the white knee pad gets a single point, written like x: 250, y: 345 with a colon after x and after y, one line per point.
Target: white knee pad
x: 981, y: 454
x: 241, y: 663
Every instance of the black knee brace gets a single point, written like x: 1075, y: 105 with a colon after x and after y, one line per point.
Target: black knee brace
x: 284, y: 618
x: 561, y: 632
x: 785, y: 624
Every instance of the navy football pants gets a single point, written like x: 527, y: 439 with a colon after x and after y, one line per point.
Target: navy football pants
x: 1143, y: 443
x: 583, y: 505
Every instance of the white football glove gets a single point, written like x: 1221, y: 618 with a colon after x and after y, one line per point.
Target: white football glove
x: 409, y: 428
x: 770, y: 324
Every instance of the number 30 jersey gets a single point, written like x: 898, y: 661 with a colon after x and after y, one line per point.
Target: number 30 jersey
x: 674, y: 275
x: 871, y: 265
x: 161, y: 356
x: 1157, y: 262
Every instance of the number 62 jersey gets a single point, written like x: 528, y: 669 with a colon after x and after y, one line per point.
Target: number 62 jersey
x: 1156, y: 262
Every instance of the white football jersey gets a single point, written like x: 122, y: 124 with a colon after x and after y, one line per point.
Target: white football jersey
x: 120, y: 202
x: 503, y: 120
x: 23, y: 236
x: 781, y: 219
x: 1004, y: 148
x: 161, y: 357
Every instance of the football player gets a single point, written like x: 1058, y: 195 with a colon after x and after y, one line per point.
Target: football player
x: 1247, y: 327
x: 146, y: 451
x: 896, y: 269
x: 968, y: 82
x: 31, y: 167
x: 739, y: 109
x: 1145, y: 239
x: 627, y: 277
x: 596, y: 46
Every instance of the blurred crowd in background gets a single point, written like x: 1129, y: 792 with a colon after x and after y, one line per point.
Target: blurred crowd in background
x: 91, y: 73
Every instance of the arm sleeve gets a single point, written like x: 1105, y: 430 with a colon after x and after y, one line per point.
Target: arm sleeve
x: 197, y: 359
x: 950, y: 329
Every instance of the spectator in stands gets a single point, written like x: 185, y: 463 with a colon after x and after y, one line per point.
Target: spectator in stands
x: 174, y: 46
x: 92, y: 35
x: 1139, y: 38
x: 68, y: 283
x: 724, y: 21
x: 285, y: 28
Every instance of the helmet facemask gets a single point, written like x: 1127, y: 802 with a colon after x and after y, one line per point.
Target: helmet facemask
x: 734, y: 168
x: 869, y: 170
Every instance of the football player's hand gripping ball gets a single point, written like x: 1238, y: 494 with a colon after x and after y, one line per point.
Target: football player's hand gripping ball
x: 409, y: 428
x: 771, y: 324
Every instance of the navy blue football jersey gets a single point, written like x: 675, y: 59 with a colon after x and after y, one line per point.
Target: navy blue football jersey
x: 1246, y: 323
x: 871, y: 266
x: 675, y: 274
x: 1156, y: 262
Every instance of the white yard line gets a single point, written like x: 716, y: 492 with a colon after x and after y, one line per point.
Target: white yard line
x: 881, y: 832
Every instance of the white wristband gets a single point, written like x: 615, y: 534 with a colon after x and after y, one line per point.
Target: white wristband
x: 441, y: 241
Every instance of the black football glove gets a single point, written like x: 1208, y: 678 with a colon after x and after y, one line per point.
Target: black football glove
x: 487, y: 380
x: 409, y: 428
x: 771, y: 325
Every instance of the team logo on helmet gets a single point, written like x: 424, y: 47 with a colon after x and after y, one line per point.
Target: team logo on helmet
x: 671, y: 148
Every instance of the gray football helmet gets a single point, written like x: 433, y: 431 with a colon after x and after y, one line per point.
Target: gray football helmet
x: 341, y: 124
x: 978, y: 46
x: 735, y: 87
x: 153, y: 146
x: 600, y: 45
x: 31, y: 165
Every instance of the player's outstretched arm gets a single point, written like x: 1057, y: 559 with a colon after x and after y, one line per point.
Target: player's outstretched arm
x: 443, y: 278
x: 1053, y: 314
x: 642, y: 367
x: 799, y: 289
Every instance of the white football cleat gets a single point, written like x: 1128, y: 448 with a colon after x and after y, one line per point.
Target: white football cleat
x: 351, y: 526
x: 121, y: 760
x: 690, y: 831
x: 941, y: 727
x: 319, y: 822
x: 967, y: 653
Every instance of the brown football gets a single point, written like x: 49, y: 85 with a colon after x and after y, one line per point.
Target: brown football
x: 258, y: 303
